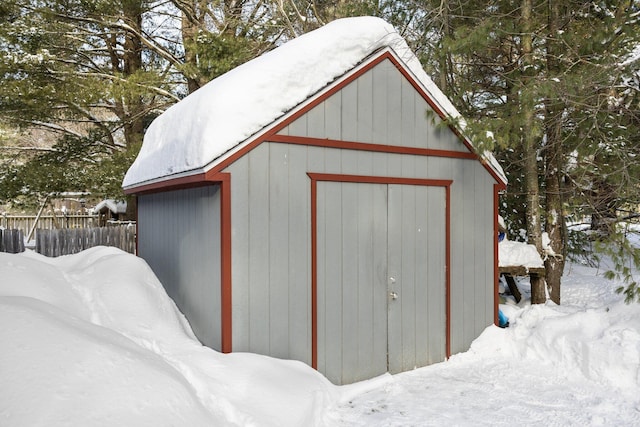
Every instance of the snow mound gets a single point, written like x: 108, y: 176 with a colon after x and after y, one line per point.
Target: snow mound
x: 512, y: 253
x: 66, y: 371
x: 592, y: 335
x: 601, y: 345
x: 95, y: 340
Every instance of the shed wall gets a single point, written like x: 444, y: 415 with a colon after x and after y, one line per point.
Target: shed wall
x: 271, y: 256
x: 380, y: 107
x: 179, y: 237
x: 272, y: 248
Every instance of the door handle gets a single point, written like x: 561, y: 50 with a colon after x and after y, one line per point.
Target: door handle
x: 393, y: 295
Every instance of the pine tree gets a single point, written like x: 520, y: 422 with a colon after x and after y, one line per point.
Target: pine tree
x: 547, y: 79
x: 77, y: 72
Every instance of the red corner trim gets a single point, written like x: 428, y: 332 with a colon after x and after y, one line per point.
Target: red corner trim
x: 314, y: 274
x: 496, y: 268
x: 225, y: 241
x: 448, y: 269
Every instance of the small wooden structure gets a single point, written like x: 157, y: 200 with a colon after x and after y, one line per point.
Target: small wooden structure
x: 354, y: 232
x: 520, y: 259
x: 536, y: 274
x: 110, y: 210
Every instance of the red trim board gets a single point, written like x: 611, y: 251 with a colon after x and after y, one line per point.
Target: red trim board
x: 225, y: 267
x: 315, y: 177
x: 380, y: 148
x: 496, y: 270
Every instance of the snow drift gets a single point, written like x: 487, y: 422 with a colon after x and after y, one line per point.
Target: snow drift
x: 92, y: 339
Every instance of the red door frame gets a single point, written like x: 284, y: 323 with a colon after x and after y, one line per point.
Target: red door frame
x: 315, y: 178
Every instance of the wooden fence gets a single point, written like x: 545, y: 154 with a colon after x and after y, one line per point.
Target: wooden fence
x: 30, y: 222
x: 67, y: 241
x: 11, y: 241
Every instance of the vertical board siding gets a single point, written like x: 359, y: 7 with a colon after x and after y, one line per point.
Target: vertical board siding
x: 348, y: 283
x: 393, y: 107
x: 331, y: 326
x: 349, y: 112
x: 365, y: 123
x: 256, y: 248
x: 407, y: 114
x: 351, y: 276
x: 241, y: 224
x: 272, y: 243
x: 380, y: 107
x: 299, y: 272
x: 186, y: 257
x: 380, y: 102
x: 370, y: 239
x: 417, y: 242
x: 484, y: 250
x: 469, y: 240
x: 436, y: 343
x: 379, y: 348
x: 277, y: 254
x: 278, y: 227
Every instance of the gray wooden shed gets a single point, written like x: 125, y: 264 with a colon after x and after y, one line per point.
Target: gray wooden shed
x: 353, y: 232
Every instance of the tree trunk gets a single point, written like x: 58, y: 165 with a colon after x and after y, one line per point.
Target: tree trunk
x: 192, y: 23
x: 554, y: 265
x: 132, y: 63
x: 444, y: 54
x: 538, y: 294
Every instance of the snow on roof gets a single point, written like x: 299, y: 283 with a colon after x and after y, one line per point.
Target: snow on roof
x: 196, y: 131
x: 112, y: 205
x: 518, y: 254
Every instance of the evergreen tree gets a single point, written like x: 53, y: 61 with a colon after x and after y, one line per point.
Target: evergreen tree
x: 555, y: 86
x: 78, y: 73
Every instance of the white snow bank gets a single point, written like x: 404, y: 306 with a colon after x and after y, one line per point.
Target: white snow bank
x: 57, y: 369
x: 191, y: 134
x: 512, y: 253
x: 93, y: 339
x: 602, y: 345
x: 570, y: 365
x: 592, y: 335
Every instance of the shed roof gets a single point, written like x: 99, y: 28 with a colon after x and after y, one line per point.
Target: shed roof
x: 191, y: 135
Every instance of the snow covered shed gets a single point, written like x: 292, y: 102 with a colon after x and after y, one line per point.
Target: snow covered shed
x: 308, y: 205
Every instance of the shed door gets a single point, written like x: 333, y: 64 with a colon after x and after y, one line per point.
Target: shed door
x: 381, y: 279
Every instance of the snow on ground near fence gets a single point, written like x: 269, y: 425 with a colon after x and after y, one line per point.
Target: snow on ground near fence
x: 92, y: 339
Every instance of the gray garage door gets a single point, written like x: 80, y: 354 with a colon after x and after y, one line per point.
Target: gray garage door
x: 380, y: 279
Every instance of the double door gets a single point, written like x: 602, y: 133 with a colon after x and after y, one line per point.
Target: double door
x: 381, y: 257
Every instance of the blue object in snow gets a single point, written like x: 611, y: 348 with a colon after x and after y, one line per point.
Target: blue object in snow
x: 501, y: 236
x: 503, y: 321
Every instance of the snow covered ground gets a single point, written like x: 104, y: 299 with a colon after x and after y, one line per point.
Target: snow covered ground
x: 92, y: 339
